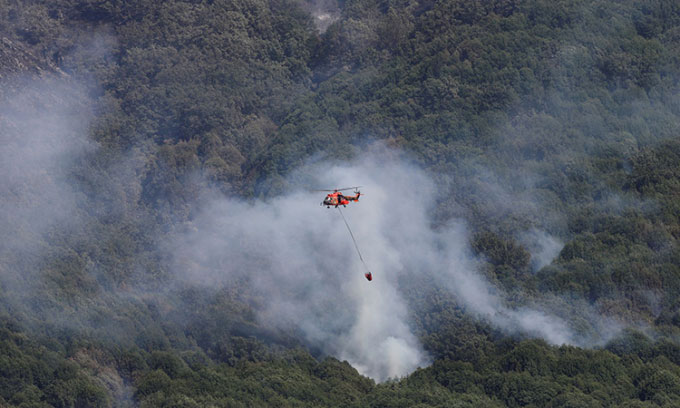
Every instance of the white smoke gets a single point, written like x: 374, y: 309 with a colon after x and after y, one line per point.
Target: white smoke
x: 295, y: 257
x: 43, y: 126
x: 299, y: 258
x: 324, y: 12
x: 544, y: 248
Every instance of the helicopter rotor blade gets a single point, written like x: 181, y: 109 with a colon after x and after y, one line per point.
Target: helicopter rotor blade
x: 336, y: 189
x: 349, y: 188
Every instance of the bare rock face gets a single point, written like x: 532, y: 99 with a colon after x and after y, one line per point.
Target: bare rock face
x: 16, y: 59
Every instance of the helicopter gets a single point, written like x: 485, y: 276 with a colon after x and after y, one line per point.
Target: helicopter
x: 335, y: 198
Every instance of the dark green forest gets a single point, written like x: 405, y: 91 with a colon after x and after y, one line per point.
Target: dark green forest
x: 568, y: 110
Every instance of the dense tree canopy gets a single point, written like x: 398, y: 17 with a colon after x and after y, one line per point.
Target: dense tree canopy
x: 568, y: 109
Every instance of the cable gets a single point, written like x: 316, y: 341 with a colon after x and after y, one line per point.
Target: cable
x: 368, y: 273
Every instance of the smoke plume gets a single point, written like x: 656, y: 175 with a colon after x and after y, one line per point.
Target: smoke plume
x: 42, y: 134
x: 299, y: 258
x: 295, y: 257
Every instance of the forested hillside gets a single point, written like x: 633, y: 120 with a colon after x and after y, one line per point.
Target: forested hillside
x: 521, y: 161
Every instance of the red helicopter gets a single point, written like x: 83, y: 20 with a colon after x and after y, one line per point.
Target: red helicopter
x: 335, y: 198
